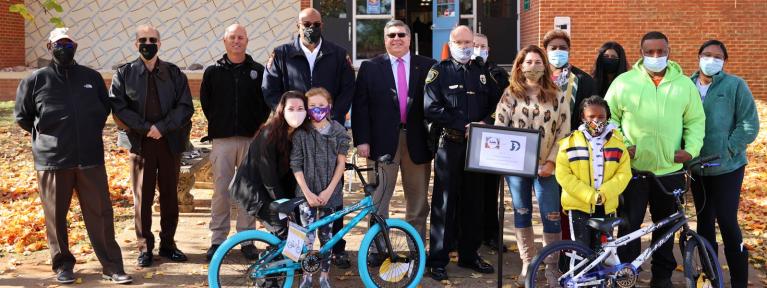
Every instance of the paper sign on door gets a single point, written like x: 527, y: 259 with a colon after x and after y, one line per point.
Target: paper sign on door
x: 295, y: 243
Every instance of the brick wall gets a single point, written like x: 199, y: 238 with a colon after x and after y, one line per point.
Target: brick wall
x: 739, y: 24
x: 11, y: 36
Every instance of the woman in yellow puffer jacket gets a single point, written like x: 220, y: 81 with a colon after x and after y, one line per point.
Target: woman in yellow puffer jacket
x: 593, y: 169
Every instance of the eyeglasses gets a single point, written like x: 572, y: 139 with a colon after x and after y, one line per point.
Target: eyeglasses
x: 311, y: 24
x: 143, y: 40
x: 400, y: 35
x: 66, y: 45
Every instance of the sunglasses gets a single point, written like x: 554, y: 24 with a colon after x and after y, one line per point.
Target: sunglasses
x: 66, y: 45
x: 311, y: 24
x: 400, y: 35
x: 143, y: 40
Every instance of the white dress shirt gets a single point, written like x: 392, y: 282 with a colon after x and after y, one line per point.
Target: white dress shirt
x: 311, y: 56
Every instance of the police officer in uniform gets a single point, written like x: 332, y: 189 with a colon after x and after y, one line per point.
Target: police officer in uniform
x: 458, y: 91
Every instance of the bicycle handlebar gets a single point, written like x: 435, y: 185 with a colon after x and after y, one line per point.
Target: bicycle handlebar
x: 704, y: 162
x: 370, y: 188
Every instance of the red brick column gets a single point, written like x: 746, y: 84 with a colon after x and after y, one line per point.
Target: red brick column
x: 11, y: 36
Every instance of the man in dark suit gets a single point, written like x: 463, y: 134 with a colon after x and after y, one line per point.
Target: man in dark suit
x: 307, y: 62
x: 152, y: 99
x: 388, y: 119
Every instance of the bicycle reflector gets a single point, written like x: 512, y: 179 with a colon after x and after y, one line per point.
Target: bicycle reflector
x: 393, y: 272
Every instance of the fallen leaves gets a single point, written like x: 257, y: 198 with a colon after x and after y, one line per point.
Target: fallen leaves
x: 23, y: 229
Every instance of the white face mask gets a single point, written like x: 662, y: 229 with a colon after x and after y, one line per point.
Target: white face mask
x: 295, y: 118
x: 655, y: 64
x: 461, y: 55
x: 710, y: 65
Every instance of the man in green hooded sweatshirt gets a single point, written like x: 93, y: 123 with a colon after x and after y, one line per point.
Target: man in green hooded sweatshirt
x: 660, y: 113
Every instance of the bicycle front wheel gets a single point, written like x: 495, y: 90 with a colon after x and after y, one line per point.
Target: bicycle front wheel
x: 378, y: 270
x: 547, y: 267
x: 230, y: 268
x: 699, y: 271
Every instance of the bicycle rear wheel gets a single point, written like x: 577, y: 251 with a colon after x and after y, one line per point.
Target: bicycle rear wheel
x: 699, y: 271
x: 230, y: 268
x: 574, y: 253
x: 378, y: 270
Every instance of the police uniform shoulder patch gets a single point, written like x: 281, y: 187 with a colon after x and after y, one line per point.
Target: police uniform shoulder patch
x: 270, y: 61
x: 433, y: 73
x: 482, y: 79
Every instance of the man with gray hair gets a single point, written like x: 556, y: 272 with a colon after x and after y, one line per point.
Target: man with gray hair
x: 151, y: 99
x: 388, y: 119
x: 64, y: 106
x: 231, y: 98
x: 458, y: 92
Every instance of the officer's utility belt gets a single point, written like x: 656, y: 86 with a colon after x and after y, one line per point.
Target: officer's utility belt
x: 454, y: 135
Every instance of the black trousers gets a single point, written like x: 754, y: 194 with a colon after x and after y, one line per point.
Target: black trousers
x: 716, y: 201
x: 639, y: 193
x: 155, y: 167
x: 457, y: 201
x: 490, y: 213
x: 579, y: 229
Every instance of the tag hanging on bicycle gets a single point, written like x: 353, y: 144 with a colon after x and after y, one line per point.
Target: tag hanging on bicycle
x: 294, y: 245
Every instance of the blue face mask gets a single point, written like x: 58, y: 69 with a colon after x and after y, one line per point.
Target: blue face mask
x: 558, y: 58
x: 710, y: 65
x: 319, y: 113
x: 484, y: 53
x: 655, y: 64
x: 461, y: 55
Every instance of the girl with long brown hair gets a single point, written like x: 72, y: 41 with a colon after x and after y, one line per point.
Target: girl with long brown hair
x: 533, y: 101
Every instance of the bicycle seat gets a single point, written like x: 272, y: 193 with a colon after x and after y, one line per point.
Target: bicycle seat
x: 605, y: 225
x: 286, y: 206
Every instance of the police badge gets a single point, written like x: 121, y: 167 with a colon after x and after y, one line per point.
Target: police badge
x: 431, y: 76
x: 253, y: 74
x: 482, y: 79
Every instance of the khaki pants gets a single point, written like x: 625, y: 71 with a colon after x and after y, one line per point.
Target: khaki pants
x: 56, y: 189
x: 226, y: 154
x: 415, y: 183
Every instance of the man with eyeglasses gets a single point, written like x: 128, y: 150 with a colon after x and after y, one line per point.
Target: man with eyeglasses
x: 458, y: 92
x: 312, y: 61
x: 64, y: 106
x: 151, y: 98
x: 388, y: 119
x: 230, y: 94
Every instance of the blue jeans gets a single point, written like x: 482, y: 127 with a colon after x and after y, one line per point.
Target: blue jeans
x: 547, y: 193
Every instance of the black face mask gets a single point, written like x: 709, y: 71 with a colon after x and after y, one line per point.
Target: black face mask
x: 63, y: 56
x: 312, y: 34
x: 610, y: 65
x: 147, y: 50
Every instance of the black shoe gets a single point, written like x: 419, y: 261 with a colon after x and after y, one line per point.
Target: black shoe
x: 661, y: 283
x: 376, y: 259
x: 65, y: 277
x: 119, y: 278
x: 478, y: 265
x: 145, y: 259
x: 341, y: 260
x: 439, y: 273
x: 211, y: 251
x: 173, y: 254
x: 249, y: 251
x: 493, y: 245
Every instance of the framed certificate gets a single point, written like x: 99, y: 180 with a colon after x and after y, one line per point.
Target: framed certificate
x: 503, y: 150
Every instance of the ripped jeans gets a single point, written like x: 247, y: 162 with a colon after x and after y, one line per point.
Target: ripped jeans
x: 546, y: 191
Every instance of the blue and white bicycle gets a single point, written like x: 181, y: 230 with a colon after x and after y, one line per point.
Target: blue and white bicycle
x: 391, y: 254
x: 582, y: 267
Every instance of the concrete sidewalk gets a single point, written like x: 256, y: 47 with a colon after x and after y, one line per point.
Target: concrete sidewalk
x: 193, y: 237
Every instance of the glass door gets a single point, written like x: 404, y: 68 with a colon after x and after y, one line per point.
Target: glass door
x: 370, y: 17
x: 445, y: 14
x: 337, y: 21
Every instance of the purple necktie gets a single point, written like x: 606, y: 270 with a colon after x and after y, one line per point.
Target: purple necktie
x: 402, y: 90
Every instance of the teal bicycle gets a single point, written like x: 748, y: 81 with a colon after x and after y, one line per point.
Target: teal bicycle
x: 391, y: 254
